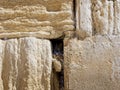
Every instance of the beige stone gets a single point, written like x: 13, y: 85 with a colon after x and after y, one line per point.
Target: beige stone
x: 117, y: 17
x: 37, y: 18
x: 2, y: 45
x: 92, y: 64
x: 96, y: 17
x: 57, y: 65
x: 90, y: 29
x: 100, y: 16
x: 26, y: 64
x: 105, y: 16
x: 111, y: 17
x: 83, y: 18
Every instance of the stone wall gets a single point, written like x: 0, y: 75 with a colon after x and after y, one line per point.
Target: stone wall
x: 92, y: 64
x: 90, y: 30
x: 38, y: 18
x: 25, y: 64
x: 97, y: 17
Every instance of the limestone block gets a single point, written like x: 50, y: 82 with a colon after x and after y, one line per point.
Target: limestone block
x: 2, y: 45
x: 92, y: 64
x: 84, y: 18
x: 27, y: 64
x: 103, y: 16
x: 38, y: 18
x: 110, y: 17
x: 117, y: 17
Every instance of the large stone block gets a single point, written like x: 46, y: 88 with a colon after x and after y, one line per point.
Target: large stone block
x: 25, y: 64
x: 97, y: 17
x: 92, y: 64
x: 2, y: 45
x: 103, y: 16
x: 84, y: 17
x: 117, y: 17
x: 38, y: 18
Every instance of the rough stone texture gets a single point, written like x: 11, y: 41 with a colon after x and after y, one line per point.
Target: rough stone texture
x: 57, y: 65
x: 84, y: 18
x: 38, y: 18
x: 100, y: 16
x: 93, y: 61
x: 92, y: 64
x: 111, y: 18
x: 97, y: 17
x: 25, y: 64
x: 117, y: 17
x: 2, y: 45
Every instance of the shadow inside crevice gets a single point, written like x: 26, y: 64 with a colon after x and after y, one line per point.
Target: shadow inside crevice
x: 57, y: 79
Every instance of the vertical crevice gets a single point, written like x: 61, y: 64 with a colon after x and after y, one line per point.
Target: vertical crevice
x: 74, y: 13
x: 57, y: 80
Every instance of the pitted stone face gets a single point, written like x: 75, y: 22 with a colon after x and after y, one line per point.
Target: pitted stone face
x: 38, y: 18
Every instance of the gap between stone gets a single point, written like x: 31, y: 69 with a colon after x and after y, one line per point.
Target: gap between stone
x: 57, y: 78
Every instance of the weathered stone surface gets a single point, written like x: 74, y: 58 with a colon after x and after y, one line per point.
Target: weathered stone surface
x: 57, y: 65
x: 25, y: 64
x: 92, y: 64
x: 84, y: 18
x: 117, y: 17
x: 97, y: 17
x: 111, y: 17
x: 38, y: 18
x: 2, y: 45
x: 100, y: 16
